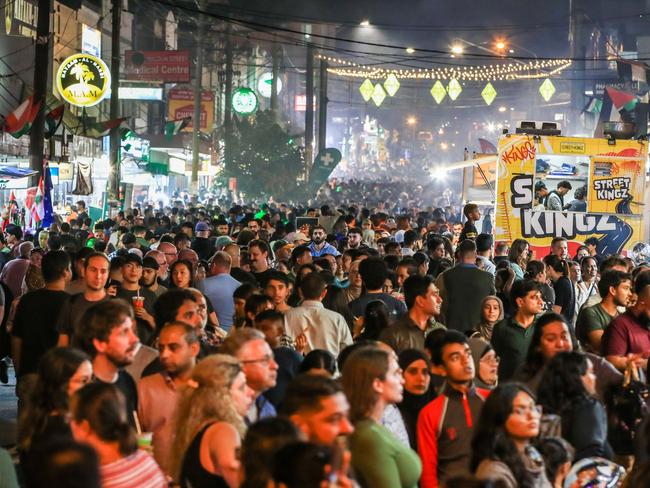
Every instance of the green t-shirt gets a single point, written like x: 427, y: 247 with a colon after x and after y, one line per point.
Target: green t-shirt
x: 589, y: 320
x: 382, y: 461
x: 510, y: 341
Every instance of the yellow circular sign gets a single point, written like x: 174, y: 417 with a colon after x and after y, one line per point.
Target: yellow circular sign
x: 83, y: 80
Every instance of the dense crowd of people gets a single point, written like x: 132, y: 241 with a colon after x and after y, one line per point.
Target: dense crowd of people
x: 378, y: 346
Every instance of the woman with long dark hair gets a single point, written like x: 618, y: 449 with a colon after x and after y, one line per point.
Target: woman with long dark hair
x: 376, y: 318
x: 501, y: 446
x: 557, y: 270
x: 61, y: 372
x: 99, y: 418
x: 551, y: 336
x: 568, y: 389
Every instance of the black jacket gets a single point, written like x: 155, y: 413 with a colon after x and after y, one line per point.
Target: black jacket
x: 584, y: 426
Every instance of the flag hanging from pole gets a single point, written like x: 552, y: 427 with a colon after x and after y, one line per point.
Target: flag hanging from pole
x: 48, y: 211
x: 53, y: 120
x: 173, y: 127
x: 19, y: 122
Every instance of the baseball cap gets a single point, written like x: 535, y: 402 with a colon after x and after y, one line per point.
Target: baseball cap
x: 279, y: 244
x: 299, y: 236
x: 540, y: 185
x: 132, y: 258
x: 201, y: 227
x: 150, y: 262
x: 221, y: 242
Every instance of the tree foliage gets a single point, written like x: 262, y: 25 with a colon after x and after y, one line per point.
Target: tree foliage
x: 264, y: 158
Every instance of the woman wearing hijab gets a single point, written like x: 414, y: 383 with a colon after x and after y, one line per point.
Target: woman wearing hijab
x: 418, y: 392
x: 491, y: 313
x: 486, y: 363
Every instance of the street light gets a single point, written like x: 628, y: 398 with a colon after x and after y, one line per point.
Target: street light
x: 411, y: 120
x: 457, y: 49
x: 410, y: 50
x: 364, y: 23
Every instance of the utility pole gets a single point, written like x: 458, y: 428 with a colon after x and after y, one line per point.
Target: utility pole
x: 41, y: 70
x: 227, y: 115
x: 309, y: 107
x: 115, y: 141
x: 322, y: 105
x: 274, y: 81
x: 198, y: 93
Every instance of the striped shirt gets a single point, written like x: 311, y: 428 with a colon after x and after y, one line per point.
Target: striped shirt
x: 138, y: 470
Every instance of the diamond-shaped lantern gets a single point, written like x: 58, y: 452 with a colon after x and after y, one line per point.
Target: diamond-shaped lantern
x: 547, y: 89
x: 378, y: 94
x: 454, y: 89
x: 489, y: 93
x: 438, y: 92
x: 366, y: 89
x: 391, y: 85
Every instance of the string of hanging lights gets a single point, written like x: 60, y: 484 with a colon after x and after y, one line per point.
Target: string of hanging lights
x: 492, y: 72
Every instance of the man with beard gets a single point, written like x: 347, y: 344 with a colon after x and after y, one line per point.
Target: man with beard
x: 318, y: 407
x: 318, y: 246
x: 615, y: 289
x: 149, y: 280
x: 163, y: 267
x: 106, y: 332
x: 158, y: 393
x: 95, y: 275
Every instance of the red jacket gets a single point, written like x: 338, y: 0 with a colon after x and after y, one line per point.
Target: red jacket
x: 445, y: 429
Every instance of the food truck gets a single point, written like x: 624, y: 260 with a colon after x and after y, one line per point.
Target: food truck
x: 605, y: 200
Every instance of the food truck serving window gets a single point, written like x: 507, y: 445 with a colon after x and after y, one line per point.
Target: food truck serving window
x: 561, y: 183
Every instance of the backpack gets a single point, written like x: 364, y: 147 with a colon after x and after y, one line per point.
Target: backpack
x: 626, y: 408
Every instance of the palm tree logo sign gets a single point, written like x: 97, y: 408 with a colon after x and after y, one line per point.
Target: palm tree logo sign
x: 83, y: 80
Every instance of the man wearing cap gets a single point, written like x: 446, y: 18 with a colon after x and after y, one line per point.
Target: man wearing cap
x: 282, y: 250
x: 163, y: 267
x: 299, y: 239
x: 149, y: 280
x: 202, y: 244
x: 130, y: 289
x: 219, y: 287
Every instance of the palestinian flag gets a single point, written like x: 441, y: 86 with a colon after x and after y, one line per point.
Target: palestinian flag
x: 594, y: 106
x: 173, y: 127
x: 617, y: 106
x: 53, y: 120
x: 19, y: 122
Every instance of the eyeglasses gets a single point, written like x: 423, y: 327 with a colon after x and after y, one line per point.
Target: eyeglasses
x: 522, y: 410
x: 264, y: 360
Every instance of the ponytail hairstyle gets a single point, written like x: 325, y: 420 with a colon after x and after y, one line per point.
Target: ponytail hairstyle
x: 533, y: 269
x: 104, y: 408
x: 557, y: 264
